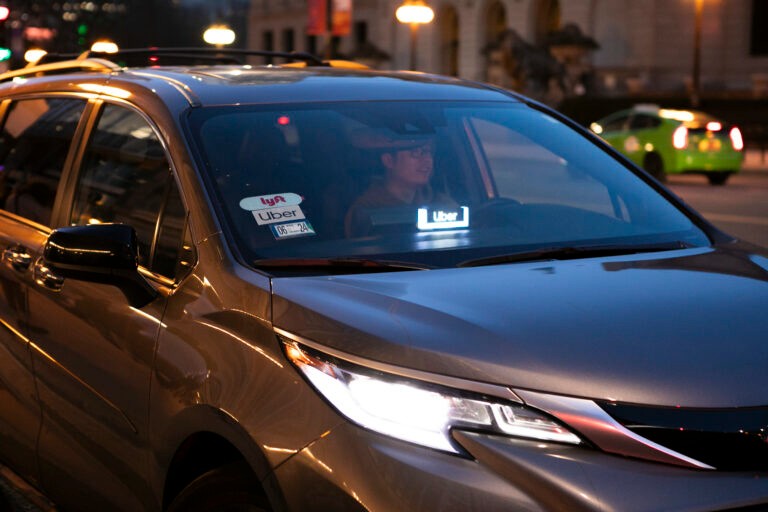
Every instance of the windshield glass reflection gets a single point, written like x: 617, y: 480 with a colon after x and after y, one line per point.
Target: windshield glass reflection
x: 435, y: 183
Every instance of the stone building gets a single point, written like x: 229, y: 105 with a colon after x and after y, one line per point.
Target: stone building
x: 618, y: 46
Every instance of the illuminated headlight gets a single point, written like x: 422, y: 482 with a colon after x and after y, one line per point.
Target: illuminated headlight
x: 417, y: 411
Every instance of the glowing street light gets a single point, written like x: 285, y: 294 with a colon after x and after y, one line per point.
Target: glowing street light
x: 219, y: 35
x: 104, y: 46
x: 34, y: 54
x: 414, y: 13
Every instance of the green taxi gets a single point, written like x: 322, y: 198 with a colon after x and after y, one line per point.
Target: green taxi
x: 666, y: 141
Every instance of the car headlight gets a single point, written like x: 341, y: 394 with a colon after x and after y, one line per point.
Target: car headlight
x: 414, y: 410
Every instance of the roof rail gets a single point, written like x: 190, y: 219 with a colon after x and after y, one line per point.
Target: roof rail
x: 334, y: 63
x: 184, y: 55
x: 55, y: 68
x: 224, y: 54
x: 58, y: 63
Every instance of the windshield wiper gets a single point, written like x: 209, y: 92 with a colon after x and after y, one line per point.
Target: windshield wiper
x: 338, y: 264
x: 572, y: 253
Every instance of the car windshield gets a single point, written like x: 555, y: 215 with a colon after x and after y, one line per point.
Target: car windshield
x: 433, y: 184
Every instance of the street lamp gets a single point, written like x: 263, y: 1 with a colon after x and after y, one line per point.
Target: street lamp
x: 696, y: 54
x: 104, y: 46
x: 34, y: 54
x: 414, y: 13
x: 219, y: 35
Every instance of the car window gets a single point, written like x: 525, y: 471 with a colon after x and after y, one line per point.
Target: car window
x: 35, y: 140
x: 644, y: 122
x: 615, y: 124
x: 531, y: 173
x: 429, y: 182
x: 173, y: 254
x: 126, y: 178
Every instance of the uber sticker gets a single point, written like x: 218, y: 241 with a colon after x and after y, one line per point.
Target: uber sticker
x: 292, y: 229
x: 270, y: 201
x: 275, y: 215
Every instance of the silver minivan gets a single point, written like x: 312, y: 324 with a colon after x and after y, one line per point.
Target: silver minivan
x: 242, y: 287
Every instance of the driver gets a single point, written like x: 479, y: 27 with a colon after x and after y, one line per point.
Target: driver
x: 409, y: 165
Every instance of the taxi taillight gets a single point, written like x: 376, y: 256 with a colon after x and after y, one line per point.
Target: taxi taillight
x: 680, y: 137
x: 737, y: 141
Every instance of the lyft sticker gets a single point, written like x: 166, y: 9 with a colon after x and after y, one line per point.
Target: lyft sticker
x: 270, y: 201
x: 275, y: 215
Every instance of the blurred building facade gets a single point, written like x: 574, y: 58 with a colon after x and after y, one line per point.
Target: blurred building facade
x: 70, y: 27
x: 547, y: 48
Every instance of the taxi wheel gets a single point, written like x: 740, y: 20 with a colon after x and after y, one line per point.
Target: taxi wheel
x: 718, y: 178
x: 230, y: 488
x: 654, y: 166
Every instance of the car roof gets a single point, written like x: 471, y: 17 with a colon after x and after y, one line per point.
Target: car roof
x: 226, y: 85
x: 686, y: 116
x: 229, y: 84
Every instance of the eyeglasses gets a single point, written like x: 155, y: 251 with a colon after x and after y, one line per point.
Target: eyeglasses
x: 420, y: 152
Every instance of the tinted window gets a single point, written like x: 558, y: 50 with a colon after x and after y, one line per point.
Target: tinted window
x: 170, y: 234
x: 644, y: 122
x: 126, y: 178
x: 616, y: 124
x: 35, y: 140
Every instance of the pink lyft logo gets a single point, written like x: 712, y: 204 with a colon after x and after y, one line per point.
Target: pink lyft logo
x: 268, y: 201
x: 272, y: 201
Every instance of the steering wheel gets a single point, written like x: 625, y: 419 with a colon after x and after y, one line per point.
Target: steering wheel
x: 496, y: 211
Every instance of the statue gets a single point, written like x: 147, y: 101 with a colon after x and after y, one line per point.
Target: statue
x: 547, y: 72
x: 570, y: 47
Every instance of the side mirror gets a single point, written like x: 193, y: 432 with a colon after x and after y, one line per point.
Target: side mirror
x: 102, y: 253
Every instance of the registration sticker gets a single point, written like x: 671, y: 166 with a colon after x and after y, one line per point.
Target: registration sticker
x: 292, y: 229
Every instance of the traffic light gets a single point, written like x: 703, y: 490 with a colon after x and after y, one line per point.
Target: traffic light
x: 5, y: 52
x: 82, y: 31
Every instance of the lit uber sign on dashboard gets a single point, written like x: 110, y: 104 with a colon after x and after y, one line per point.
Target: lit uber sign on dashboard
x: 441, y: 218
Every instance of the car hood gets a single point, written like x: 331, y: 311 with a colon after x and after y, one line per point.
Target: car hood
x: 681, y: 328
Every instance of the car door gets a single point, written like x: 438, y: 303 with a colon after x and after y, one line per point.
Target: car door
x: 95, y: 344
x: 35, y: 147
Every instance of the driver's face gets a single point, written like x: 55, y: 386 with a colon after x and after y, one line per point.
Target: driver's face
x: 411, y: 166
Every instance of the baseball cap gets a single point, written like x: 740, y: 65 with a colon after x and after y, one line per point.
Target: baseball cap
x: 385, y: 139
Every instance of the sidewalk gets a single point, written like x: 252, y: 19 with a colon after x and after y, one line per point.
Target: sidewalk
x: 755, y: 160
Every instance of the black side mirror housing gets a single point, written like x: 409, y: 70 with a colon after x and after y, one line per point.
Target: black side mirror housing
x: 103, y: 253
